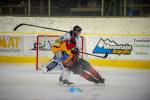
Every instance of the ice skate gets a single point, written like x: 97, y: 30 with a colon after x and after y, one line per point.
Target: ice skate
x: 67, y: 83
x: 100, y: 82
x: 60, y: 79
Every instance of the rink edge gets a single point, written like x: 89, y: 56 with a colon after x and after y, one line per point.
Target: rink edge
x: 132, y: 64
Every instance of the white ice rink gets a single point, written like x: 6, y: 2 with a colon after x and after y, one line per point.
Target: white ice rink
x: 23, y: 82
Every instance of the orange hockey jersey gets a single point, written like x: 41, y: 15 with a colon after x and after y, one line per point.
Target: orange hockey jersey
x: 65, y: 47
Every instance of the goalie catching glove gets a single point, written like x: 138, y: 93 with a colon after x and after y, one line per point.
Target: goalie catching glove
x: 57, y: 43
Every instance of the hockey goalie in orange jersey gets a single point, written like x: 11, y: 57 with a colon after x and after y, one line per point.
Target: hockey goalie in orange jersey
x: 66, y: 51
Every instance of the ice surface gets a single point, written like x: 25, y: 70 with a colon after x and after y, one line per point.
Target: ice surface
x: 23, y: 82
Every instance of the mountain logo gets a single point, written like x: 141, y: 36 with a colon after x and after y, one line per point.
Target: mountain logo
x: 111, y: 47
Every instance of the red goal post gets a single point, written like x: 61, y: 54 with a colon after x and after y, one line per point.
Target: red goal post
x: 43, y: 48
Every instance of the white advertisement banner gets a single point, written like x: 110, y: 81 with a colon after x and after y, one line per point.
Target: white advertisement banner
x: 120, y: 47
x: 17, y: 45
x: 117, y: 47
x: 11, y: 44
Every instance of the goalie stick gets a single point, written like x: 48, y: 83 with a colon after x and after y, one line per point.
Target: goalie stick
x: 105, y: 56
x: 24, y: 24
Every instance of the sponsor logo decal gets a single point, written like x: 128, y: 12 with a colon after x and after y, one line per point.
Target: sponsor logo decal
x: 111, y: 47
x: 43, y: 45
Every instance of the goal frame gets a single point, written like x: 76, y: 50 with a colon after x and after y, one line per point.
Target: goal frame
x: 37, y: 47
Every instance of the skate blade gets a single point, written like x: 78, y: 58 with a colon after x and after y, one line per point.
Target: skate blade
x: 100, y: 84
x: 66, y: 85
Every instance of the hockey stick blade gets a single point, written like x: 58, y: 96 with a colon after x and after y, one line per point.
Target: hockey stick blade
x: 18, y: 26
x: 105, y: 56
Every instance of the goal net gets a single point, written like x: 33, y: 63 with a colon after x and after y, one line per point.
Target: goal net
x: 43, y: 49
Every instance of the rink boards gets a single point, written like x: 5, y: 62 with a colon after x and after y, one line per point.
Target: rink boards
x: 130, y: 51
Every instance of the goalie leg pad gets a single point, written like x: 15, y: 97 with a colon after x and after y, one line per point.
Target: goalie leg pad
x: 52, y: 65
x: 88, y: 77
x: 94, y: 73
x: 79, y: 66
x: 56, y: 60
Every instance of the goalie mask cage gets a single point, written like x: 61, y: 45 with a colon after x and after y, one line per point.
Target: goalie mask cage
x: 43, y: 49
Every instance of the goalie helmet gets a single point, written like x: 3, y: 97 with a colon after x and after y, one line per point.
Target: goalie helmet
x: 76, y: 30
